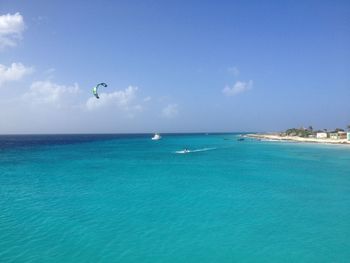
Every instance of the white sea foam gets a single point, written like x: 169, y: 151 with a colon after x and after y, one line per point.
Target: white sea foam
x: 197, y: 150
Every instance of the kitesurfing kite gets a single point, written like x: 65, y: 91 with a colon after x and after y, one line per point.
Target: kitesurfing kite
x: 95, y: 89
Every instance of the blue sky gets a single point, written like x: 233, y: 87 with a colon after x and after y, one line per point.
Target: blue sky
x: 173, y: 66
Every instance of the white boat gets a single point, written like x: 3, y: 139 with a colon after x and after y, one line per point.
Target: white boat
x: 156, y: 137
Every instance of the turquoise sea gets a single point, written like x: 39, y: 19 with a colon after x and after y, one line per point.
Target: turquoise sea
x: 126, y: 198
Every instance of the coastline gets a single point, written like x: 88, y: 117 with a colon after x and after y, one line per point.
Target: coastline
x: 278, y: 137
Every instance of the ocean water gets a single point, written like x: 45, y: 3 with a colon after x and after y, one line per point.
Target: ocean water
x: 125, y: 198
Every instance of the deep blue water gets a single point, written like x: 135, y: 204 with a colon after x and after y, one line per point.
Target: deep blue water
x: 125, y: 198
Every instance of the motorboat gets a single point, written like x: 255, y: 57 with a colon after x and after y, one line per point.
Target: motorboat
x: 156, y: 137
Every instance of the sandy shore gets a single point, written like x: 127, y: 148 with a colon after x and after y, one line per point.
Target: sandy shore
x: 277, y: 137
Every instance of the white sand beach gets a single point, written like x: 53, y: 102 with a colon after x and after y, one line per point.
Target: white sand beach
x: 278, y: 137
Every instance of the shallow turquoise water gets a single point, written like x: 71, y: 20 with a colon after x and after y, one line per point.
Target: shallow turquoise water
x: 130, y: 199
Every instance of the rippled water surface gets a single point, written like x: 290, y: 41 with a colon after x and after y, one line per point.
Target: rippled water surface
x: 126, y: 198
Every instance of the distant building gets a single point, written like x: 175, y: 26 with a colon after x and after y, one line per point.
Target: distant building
x: 334, y: 136
x: 348, y: 136
x: 321, y: 135
x: 342, y: 135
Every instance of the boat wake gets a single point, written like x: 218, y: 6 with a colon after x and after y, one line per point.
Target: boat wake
x: 194, y: 151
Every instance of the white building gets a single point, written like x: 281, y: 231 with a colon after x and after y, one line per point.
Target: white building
x: 334, y: 136
x: 321, y: 135
x: 348, y: 136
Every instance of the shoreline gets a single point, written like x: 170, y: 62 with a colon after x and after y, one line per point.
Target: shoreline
x: 277, y: 137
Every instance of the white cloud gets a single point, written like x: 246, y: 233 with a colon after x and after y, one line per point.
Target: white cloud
x: 237, y: 88
x: 11, y: 28
x: 170, y: 111
x: 146, y: 99
x: 122, y: 99
x: 14, y: 72
x: 49, y: 107
x: 50, y: 72
x: 47, y: 92
x: 233, y: 70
